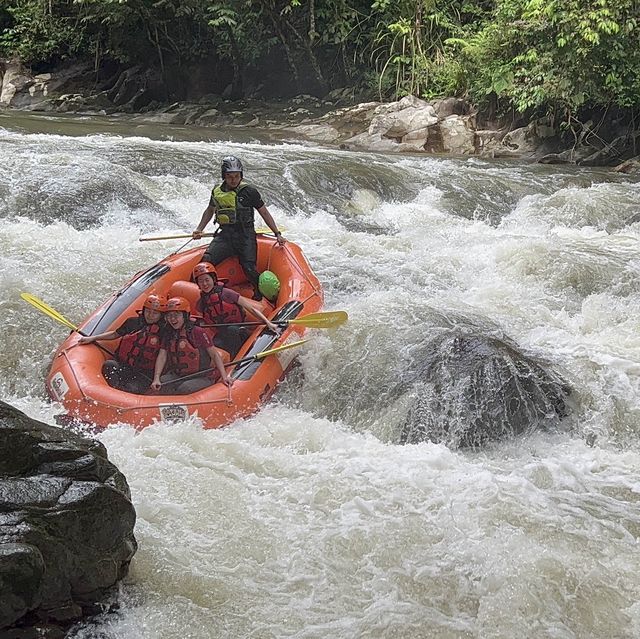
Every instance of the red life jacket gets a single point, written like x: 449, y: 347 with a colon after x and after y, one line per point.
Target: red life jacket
x: 183, y: 357
x: 140, y: 349
x: 217, y: 311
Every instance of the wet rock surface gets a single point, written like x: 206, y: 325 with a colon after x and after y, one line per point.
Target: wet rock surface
x: 66, y: 526
x: 469, y: 389
x: 449, y: 126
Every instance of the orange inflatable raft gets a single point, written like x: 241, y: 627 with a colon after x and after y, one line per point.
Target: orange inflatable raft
x: 76, y: 381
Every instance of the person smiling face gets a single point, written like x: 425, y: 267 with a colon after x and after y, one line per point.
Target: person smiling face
x: 152, y: 316
x: 205, y: 283
x: 178, y: 310
x: 176, y: 319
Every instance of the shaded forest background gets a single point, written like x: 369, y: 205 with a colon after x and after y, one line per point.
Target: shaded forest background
x: 559, y: 58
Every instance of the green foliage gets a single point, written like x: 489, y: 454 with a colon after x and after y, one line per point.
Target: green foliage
x: 230, y: 32
x: 135, y: 30
x: 528, y: 55
x: 558, y: 55
x: 412, y: 43
x: 38, y: 31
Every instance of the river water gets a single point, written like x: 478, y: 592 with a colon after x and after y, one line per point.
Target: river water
x: 308, y: 520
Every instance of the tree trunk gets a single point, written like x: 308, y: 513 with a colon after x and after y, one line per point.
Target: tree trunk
x: 315, y: 65
x: 237, y: 84
x: 287, y: 49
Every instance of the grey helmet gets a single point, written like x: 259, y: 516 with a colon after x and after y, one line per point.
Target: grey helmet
x: 231, y: 164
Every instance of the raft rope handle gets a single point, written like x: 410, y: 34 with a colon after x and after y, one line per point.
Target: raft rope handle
x: 84, y: 395
x: 229, y: 397
x: 275, y: 243
x: 295, y: 264
x: 292, y: 261
x: 203, y: 402
x: 179, y: 249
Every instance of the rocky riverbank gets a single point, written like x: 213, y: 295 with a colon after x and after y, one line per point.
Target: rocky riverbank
x: 66, y: 527
x: 448, y: 126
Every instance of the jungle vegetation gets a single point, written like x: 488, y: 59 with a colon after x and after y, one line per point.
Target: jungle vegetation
x: 542, y: 56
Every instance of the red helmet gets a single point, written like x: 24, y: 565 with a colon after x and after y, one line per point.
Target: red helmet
x: 178, y: 304
x: 155, y: 303
x: 204, y: 268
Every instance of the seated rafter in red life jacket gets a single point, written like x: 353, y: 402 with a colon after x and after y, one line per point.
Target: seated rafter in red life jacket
x: 140, y: 343
x: 185, y: 349
x: 220, y: 305
x: 140, y: 339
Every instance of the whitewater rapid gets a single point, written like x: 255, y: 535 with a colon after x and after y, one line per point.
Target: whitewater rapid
x: 308, y: 520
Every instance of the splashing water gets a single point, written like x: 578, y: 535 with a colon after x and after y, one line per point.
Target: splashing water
x: 307, y: 520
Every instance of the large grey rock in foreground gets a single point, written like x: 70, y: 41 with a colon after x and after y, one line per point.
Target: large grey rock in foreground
x: 470, y: 388
x: 66, y: 521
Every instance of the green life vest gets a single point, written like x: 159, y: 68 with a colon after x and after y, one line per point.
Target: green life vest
x: 227, y: 209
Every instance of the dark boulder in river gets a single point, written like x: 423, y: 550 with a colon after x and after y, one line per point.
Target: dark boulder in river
x: 470, y: 388
x: 66, y: 523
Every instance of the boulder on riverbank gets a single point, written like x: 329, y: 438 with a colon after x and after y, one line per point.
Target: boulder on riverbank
x: 66, y: 524
x: 448, y: 126
x: 20, y: 89
x: 630, y: 167
x: 410, y: 125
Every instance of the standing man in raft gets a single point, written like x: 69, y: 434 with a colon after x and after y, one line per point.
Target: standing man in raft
x: 233, y: 203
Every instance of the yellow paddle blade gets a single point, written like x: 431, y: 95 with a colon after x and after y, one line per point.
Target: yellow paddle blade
x: 280, y: 348
x: 328, y: 319
x: 43, y: 307
x: 186, y: 236
x: 271, y: 351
